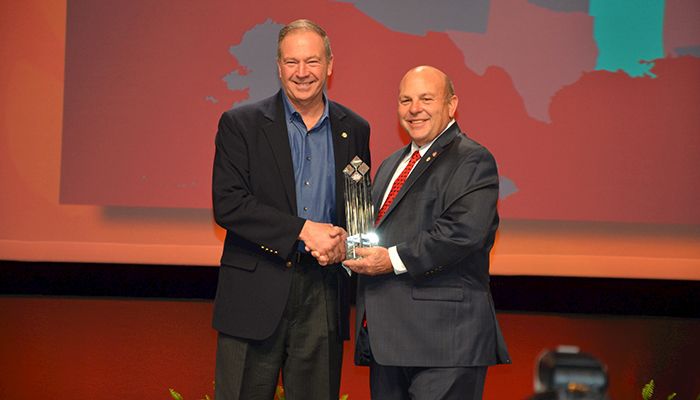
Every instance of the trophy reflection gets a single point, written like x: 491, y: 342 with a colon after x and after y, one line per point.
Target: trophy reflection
x: 359, y: 211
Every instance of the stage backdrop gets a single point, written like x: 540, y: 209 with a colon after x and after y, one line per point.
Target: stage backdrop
x: 591, y: 108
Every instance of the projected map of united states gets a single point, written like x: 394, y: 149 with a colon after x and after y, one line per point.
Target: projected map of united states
x: 589, y: 106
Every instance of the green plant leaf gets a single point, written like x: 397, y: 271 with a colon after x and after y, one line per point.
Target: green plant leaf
x: 671, y: 396
x: 175, y: 395
x: 648, y: 390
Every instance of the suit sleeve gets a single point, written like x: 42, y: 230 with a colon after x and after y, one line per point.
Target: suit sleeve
x: 468, y: 218
x: 236, y: 207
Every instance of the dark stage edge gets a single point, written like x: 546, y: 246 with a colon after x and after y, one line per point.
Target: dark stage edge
x: 541, y: 294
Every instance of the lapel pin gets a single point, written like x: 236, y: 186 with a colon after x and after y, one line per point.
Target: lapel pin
x: 344, y: 135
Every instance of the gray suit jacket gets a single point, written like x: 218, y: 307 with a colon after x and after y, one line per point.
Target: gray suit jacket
x: 254, y: 200
x: 443, y: 222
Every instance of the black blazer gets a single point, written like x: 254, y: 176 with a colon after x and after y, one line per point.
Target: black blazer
x: 254, y: 200
x: 443, y: 222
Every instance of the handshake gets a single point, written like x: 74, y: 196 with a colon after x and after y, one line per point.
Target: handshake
x: 327, y: 243
x: 324, y: 241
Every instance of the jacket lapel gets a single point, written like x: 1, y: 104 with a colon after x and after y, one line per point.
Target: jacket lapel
x: 275, y: 129
x: 383, y: 177
x: 423, y: 165
x: 340, y: 132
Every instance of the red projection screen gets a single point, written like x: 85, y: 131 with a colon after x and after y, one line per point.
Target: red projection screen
x: 110, y: 110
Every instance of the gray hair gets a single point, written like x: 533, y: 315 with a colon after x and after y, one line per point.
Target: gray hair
x: 449, y: 87
x: 304, y: 25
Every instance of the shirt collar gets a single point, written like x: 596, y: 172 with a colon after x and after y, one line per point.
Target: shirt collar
x: 290, y: 112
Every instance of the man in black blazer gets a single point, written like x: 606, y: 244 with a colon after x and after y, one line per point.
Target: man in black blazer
x: 424, y: 302
x: 278, y: 191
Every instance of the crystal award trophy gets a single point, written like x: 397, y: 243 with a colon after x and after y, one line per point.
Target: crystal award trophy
x: 359, y: 211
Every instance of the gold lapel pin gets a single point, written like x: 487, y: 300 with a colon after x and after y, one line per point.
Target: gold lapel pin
x: 344, y: 135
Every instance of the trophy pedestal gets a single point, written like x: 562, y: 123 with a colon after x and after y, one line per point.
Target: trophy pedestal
x: 367, y: 239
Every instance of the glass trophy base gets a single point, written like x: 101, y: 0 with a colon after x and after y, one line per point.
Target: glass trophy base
x: 368, y: 239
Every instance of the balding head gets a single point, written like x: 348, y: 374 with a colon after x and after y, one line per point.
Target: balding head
x: 428, y: 70
x: 427, y: 103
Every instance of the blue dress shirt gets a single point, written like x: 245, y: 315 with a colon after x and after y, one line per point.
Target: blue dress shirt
x: 314, y: 164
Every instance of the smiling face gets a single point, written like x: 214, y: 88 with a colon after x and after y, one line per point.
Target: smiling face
x: 303, y: 67
x: 425, y: 107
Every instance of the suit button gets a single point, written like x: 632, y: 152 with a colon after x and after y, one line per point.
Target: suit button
x: 289, y: 264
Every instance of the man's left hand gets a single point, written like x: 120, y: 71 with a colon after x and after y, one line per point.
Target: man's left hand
x: 374, y: 261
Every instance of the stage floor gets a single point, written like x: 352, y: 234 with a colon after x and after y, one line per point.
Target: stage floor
x: 90, y: 348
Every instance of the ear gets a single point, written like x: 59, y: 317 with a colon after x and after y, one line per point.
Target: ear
x: 330, y: 67
x: 279, y: 70
x: 452, y: 105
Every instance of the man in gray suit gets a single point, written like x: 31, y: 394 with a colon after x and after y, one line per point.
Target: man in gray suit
x: 425, y: 317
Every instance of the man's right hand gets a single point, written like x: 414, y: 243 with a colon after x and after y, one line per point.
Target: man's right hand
x: 325, y: 242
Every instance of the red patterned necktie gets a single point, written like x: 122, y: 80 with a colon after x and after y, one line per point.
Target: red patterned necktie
x: 397, y: 185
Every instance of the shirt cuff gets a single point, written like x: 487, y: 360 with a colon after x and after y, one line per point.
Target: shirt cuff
x: 399, y: 267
